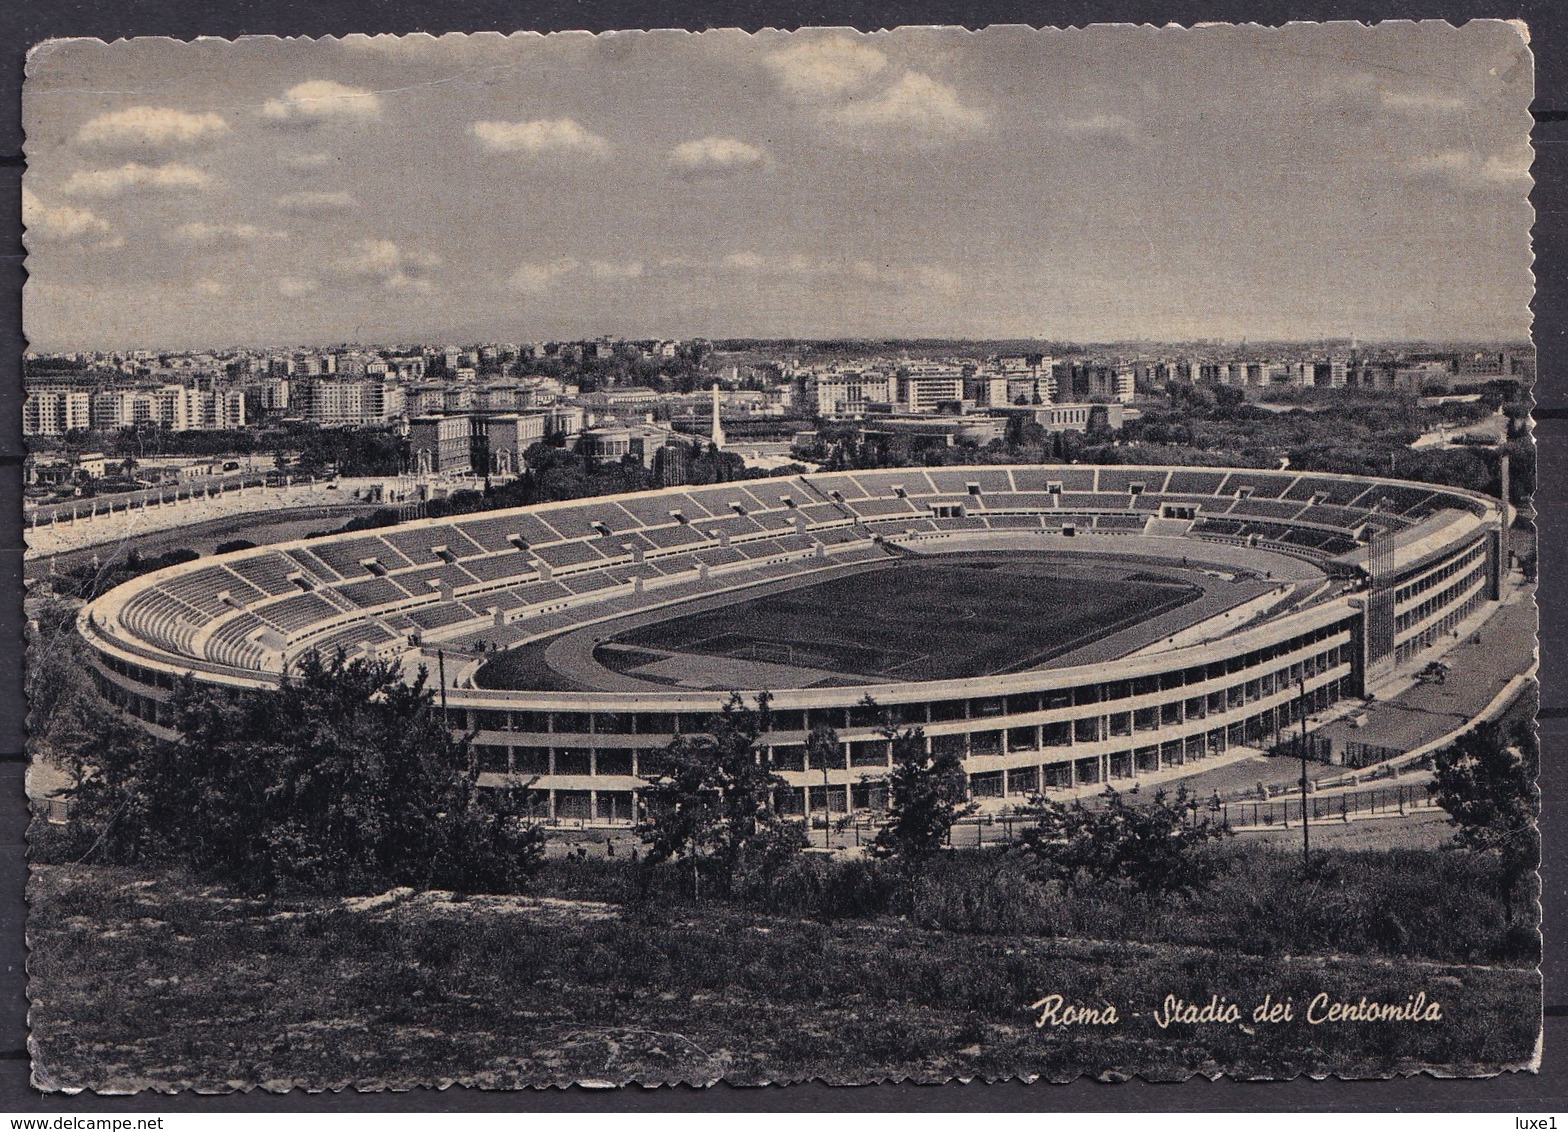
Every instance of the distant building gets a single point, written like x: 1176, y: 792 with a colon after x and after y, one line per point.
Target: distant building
x: 507, y: 436
x: 1074, y: 417
x: 565, y: 420
x: 624, y: 397
x: 846, y: 393
x: 1095, y: 381
x: 987, y: 389
x: 937, y: 430
x: 54, y: 413
x: 643, y: 442
x: 441, y: 445
x: 925, y: 389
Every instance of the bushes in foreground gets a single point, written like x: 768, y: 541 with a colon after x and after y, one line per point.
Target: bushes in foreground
x: 1436, y: 904
x: 346, y: 779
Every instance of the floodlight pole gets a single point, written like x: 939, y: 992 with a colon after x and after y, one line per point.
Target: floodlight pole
x: 441, y: 676
x: 1306, y: 825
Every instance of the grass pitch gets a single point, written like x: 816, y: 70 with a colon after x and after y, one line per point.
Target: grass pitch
x: 937, y: 619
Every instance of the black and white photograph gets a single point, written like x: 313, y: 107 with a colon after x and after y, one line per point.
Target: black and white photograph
x: 654, y: 558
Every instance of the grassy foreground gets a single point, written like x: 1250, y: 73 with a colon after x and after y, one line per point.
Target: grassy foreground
x: 146, y: 980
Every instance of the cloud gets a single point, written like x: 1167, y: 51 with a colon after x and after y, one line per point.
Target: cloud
x: 540, y: 137
x: 796, y: 265
x: 201, y: 232
x: 321, y: 100
x: 715, y: 157
x: 607, y: 272
x: 915, y: 102
x: 1419, y: 102
x: 315, y: 203
x: 861, y: 98
x: 917, y: 277
x: 150, y: 127
x: 824, y: 68
x: 211, y: 287
x: 1466, y: 169
x: 903, y: 278
x: 306, y: 162
x: 291, y: 288
x: 1095, y: 125
x: 385, y: 264
x: 62, y: 223
x: 133, y: 177
x: 538, y: 278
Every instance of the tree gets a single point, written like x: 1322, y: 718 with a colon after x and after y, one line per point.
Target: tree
x: 712, y: 805
x: 1486, y: 780
x: 925, y: 796
x: 343, y: 780
x: 1144, y: 847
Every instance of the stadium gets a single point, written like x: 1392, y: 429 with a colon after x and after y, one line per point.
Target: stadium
x: 1059, y: 627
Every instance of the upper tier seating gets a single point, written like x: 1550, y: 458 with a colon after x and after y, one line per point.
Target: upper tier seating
x: 440, y: 575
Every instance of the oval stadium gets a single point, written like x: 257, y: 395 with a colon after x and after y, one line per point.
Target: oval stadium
x: 1059, y: 627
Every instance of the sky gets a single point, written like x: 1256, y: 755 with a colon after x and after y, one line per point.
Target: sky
x: 1085, y: 185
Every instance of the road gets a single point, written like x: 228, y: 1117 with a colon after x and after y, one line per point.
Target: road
x: 1482, y: 664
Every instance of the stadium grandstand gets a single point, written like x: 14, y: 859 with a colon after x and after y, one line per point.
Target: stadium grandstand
x: 1267, y: 594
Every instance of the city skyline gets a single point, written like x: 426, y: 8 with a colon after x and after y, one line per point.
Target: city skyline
x: 1095, y: 185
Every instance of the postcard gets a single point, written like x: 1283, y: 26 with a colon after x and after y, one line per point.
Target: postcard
x: 811, y: 556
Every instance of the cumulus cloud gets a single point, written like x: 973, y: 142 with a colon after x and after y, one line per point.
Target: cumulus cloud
x: 916, y: 101
x: 306, y: 162
x: 134, y: 177
x: 201, y: 232
x: 61, y: 223
x: 1467, y: 169
x: 309, y: 202
x: 825, y: 68
x: 540, y: 137
x: 385, y: 264
x: 715, y: 157
x: 321, y: 100
x: 291, y: 288
x: 861, y: 98
x: 150, y: 127
x: 537, y: 278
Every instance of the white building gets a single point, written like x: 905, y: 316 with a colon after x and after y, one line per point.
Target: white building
x: 846, y: 393
x: 55, y: 412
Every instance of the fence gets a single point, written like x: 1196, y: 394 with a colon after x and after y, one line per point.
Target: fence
x: 1319, y: 748
x: 1258, y: 816
x: 1358, y: 755
x: 1285, y: 811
